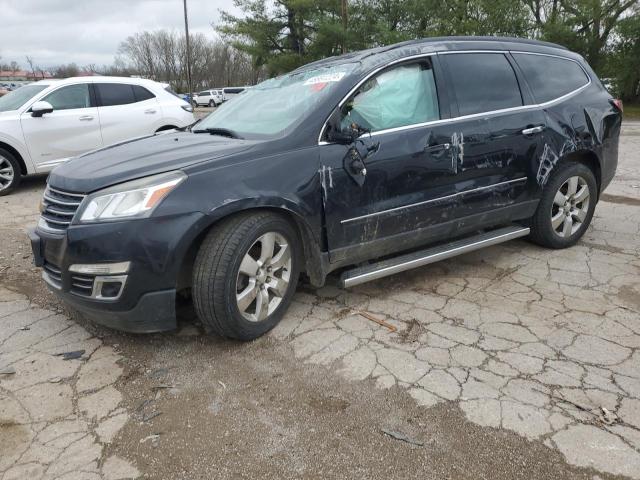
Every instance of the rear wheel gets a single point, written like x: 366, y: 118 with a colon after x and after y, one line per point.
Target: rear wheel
x: 245, y: 275
x: 10, y: 174
x: 566, y: 207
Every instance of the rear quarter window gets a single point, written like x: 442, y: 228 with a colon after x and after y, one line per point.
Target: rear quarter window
x: 483, y: 82
x: 112, y: 94
x: 550, y: 77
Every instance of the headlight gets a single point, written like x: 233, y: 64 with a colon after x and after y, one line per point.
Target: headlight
x: 137, y: 198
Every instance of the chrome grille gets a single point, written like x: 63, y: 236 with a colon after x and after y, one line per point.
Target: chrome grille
x: 82, y: 284
x: 58, y: 208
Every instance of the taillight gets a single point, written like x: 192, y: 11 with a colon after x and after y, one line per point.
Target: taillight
x: 618, y: 104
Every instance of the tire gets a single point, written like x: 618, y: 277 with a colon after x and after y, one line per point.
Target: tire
x: 228, y: 301
x: 212, y: 103
x: 10, y: 173
x: 566, y: 208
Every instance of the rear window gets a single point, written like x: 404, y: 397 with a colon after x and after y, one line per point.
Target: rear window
x: 550, y: 77
x: 203, y: 94
x: 112, y: 94
x: 483, y: 82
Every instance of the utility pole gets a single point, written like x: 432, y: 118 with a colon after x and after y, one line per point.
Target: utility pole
x: 345, y: 20
x: 186, y: 29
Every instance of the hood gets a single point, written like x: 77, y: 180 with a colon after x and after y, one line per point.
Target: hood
x: 142, y: 157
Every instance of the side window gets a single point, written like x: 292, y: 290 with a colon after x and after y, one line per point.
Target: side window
x: 72, y: 96
x: 402, y: 96
x: 142, y: 93
x: 111, y: 94
x: 550, y: 77
x: 483, y: 82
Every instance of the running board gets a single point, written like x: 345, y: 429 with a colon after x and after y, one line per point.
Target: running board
x: 402, y: 263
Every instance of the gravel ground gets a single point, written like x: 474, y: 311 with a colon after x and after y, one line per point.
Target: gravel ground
x: 512, y: 362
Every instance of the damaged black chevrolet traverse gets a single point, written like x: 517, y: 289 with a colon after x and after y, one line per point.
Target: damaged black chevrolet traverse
x: 372, y: 163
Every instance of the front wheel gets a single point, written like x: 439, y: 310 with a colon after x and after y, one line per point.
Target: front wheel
x: 10, y: 175
x: 566, y: 206
x: 212, y: 103
x: 245, y: 275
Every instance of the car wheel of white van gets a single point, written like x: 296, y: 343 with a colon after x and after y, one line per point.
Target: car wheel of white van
x: 10, y: 174
x: 212, y: 103
x: 245, y: 274
x: 566, y: 206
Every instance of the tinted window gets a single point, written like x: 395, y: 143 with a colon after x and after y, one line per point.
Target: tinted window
x: 73, y: 96
x: 203, y: 94
x: 483, y: 82
x: 398, y: 97
x: 115, y: 94
x: 142, y: 93
x: 550, y: 77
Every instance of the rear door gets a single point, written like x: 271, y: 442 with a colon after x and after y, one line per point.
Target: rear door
x: 490, y: 104
x: 70, y: 130
x: 126, y: 111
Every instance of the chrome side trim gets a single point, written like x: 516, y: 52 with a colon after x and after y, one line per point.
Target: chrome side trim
x: 433, y: 200
x: 522, y: 108
x: 432, y: 255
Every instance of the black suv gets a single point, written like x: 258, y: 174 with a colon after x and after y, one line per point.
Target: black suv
x: 373, y: 163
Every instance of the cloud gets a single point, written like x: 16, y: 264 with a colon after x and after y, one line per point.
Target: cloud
x: 89, y: 31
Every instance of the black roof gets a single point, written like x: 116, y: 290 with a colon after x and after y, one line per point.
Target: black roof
x: 380, y: 55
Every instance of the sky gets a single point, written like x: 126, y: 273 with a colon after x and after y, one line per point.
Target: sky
x: 86, y: 32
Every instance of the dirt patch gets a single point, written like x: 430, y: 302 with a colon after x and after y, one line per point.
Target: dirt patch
x: 630, y: 294
x: 634, y: 202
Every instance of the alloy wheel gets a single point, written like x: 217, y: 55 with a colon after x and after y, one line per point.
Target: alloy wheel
x: 570, y: 206
x: 263, y: 277
x: 6, y: 173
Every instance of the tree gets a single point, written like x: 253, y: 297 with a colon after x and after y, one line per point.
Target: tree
x: 31, y: 66
x: 66, y: 71
x: 625, y: 59
x: 284, y: 34
x: 585, y: 26
x: 160, y: 56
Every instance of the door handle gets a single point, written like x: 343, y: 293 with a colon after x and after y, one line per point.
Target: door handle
x: 86, y: 118
x: 532, y: 130
x: 151, y: 111
x: 435, y: 148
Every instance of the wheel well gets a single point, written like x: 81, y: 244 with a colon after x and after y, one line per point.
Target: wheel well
x: 14, y: 152
x: 166, y: 127
x: 310, y: 253
x: 589, y: 159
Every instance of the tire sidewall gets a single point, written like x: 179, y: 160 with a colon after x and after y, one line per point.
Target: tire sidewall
x: 17, y: 174
x: 546, y: 203
x: 255, y: 329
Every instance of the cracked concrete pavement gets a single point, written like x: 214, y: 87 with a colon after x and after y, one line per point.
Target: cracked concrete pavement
x: 544, y: 344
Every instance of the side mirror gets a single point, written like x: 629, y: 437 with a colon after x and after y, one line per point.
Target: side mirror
x: 337, y: 134
x: 38, y: 109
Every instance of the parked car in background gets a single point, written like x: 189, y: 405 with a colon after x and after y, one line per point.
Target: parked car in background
x: 374, y: 163
x: 46, y: 123
x: 209, y: 98
x: 231, y: 92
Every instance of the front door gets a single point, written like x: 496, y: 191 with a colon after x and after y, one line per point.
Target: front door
x: 71, y: 129
x: 410, y: 161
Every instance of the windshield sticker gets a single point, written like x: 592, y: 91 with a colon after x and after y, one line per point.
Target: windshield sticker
x: 325, y: 78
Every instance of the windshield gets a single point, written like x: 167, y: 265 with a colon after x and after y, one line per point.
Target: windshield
x: 271, y: 107
x: 14, y: 100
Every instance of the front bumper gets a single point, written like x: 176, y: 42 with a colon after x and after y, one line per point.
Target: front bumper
x: 154, y: 248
